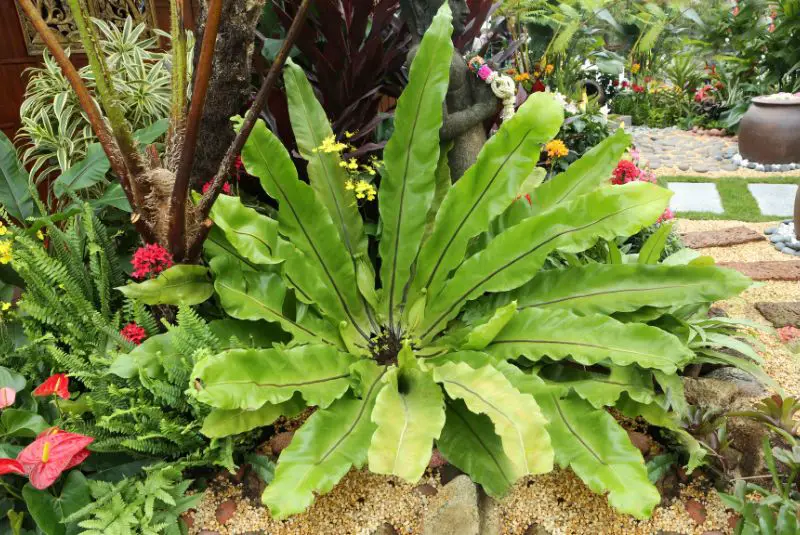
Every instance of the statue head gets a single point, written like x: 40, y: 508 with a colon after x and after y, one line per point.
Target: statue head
x: 419, y: 14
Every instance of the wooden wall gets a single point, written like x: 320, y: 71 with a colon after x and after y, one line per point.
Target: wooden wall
x: 14, y: 59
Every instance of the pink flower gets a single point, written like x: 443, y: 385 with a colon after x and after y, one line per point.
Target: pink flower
x: 666, y: 216
x: 150, y: 260
x: 735, y: 11
x: 625, y: 83
x: 226, y: 187
x: 771, y: 28
x: 51, y: 454
x: 57, y: 384
x: 133, y: 333
x: 7, y: 397
x: 484, y: 72
x: 788, y: 333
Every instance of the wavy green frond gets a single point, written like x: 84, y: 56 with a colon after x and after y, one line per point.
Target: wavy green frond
x: 409, y: 414
x: 410, y: 159
x: 178, y: 285
x: 598, y: 450
x: 515, y: 256
x: 326, y: 271
x: 323, y: 450
x: 254, y: 236
x: 486, y: 189
x: 222, y: 423
x: 601, y: 389
x: 516, y: 416
x: 310, y: 126
x: 470, y: 444
x: 248, y: 378
x: 606, y: 289
x: 559, y: 334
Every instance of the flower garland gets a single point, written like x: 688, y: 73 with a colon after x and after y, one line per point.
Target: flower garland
x: 502, y: 86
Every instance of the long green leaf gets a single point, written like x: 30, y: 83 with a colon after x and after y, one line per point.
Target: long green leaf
x: 605, y: 289
x: 654, y: 246
x: 486, y: 189
x: 85, y: 173
x: 516, y: 417
x: 469, y: 442
x: 410, y: 159
x: 251, y: 295
x: 15, y: 196
x: 179, y: 285
x: 303, y: 218
x: 409, y: 414
x: 332, y: 441
x: 603, y: 390
x: 254, y: 236
x: 598, y: 450
x: 558, y: 334
x: 588, y: 173
x: 310, y: 126
x: 223, y: 423
x: 516, y: 255
x: 248, y: 378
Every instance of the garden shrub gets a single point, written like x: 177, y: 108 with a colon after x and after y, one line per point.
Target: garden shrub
x: 463, y: 337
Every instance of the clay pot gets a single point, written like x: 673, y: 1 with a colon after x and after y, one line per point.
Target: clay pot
x: 770, y: 131
x: 594, y: 90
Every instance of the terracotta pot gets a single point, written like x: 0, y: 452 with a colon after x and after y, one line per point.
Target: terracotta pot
x: 770, y: 131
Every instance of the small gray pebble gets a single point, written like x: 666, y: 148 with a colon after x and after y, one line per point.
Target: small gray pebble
x: 759, y: 167
x: 750, y: 165
x: 778, y: 238
x: 771, y: 230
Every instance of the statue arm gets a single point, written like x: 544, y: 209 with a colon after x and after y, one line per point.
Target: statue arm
x: 484, y: 107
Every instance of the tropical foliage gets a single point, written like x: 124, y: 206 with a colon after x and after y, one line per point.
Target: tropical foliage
x: 424, y: 357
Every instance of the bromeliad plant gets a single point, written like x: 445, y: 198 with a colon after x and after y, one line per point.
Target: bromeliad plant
x: 396, y: 367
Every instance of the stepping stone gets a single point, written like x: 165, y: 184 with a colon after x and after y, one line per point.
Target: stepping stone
x: 774, y: 199
x: 695, y: 197
x: 780, y: 314
x: 766, y: 271
x: 720, y: 238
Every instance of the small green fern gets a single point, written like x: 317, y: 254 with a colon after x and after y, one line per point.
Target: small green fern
x: 149, y: 506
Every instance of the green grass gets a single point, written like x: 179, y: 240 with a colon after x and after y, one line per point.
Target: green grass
x: 737, y: 202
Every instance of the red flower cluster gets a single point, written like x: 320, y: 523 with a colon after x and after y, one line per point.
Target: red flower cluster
x: 226, y: 187
x: 626, y: 171
x: 638, y: 89
x: 788, y: 333
x: 625, y: 84
x: 134, y: 333
x: 703, y: 93
x: 615, y: 83
x: 538, y: 87
x: 150, y: 260
x: 52, y: 453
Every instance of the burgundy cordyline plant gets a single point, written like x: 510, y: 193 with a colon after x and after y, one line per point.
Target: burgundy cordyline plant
x: 157, y: 187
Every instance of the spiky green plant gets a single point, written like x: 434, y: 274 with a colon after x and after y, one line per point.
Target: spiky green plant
x: 54, y: 128
x: 425, y: 358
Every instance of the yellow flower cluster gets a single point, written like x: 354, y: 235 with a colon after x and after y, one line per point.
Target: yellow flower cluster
x: 362, y: 188
x: 522, y: 77
x: 330, y: 145
x: 3, y: 229
x: 635, y: 68
x: 5, y: 306
x: 549, y: 68
x: 5, y: 251
x: 556, y: 149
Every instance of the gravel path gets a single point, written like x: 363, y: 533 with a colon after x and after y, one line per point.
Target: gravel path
x: 675, y: 152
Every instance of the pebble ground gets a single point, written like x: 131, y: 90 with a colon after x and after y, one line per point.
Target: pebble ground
x: 674, y: 152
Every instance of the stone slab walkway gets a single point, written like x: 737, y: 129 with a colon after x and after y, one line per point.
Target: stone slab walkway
x: 774, y: 199
x: 721, y: 238
x: 692, y: 197
x: 675, y: 152
x: 765, y: 271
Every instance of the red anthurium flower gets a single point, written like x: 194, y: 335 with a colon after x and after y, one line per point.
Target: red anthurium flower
x: 133, y: 333
x: 7, y: 397
x: 51, y: 454
x: 55, y: 384
x: 11, y: 466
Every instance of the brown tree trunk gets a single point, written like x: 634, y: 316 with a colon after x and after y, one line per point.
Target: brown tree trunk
x: 229, y: 89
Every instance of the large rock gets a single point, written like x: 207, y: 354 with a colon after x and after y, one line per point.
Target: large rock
x: 746, y: 435
x: 455, y: 510
x: 747, y: 385
x: 780, y: 314
x: 720, y: 238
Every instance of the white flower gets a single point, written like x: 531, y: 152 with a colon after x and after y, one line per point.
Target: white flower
x: 604, y: 111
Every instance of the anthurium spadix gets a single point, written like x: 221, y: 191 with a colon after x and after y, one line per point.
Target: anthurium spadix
x: 404, y: 352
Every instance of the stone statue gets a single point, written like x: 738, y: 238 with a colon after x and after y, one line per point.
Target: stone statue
x: 469, y: 102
